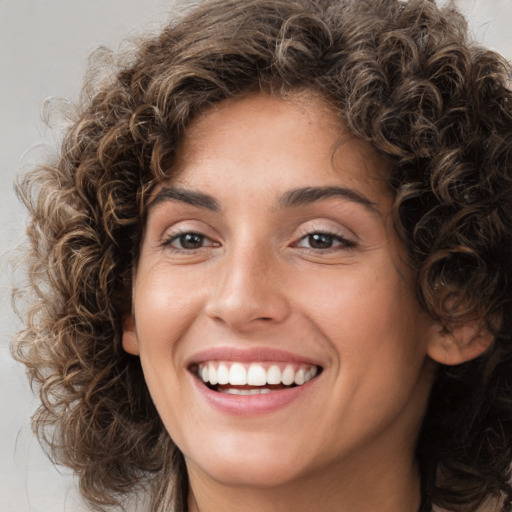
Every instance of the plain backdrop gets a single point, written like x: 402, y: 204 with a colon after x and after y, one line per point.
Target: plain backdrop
x: 43, y: 50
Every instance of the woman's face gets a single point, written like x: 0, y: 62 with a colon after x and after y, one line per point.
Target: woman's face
x: 269, y: 258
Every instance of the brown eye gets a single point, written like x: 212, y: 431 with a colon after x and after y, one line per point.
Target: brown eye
x: 191, y: 241
x: 188, y: 241
x: 320, y: 241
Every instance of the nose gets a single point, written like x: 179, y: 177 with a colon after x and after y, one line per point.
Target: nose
x: 249, y: 291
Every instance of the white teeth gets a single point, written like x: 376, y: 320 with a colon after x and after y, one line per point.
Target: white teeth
x: 237, y: 375
x: 254, y: 374
x: 223, y: 374
x: 299, y: 377
x: 288, y: 377
x: 212, y: 372
x: 246, y: 392
x: 273, y: 375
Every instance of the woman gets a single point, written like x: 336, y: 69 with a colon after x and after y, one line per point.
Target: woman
x: 272, y: 266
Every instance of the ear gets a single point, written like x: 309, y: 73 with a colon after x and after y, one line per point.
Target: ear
x: 461, y: 344
x: 130, y: 340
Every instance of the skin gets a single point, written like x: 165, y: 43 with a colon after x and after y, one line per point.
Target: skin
x: 254, y: 279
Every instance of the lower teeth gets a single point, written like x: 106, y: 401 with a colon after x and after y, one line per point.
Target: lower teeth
x: 234, y: 391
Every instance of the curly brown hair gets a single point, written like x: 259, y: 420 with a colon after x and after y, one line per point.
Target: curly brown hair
x: 405, y: 78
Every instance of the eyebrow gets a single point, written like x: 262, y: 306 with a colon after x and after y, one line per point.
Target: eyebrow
x: 196, y: 199
x: 292, y: 198
x: 307, y: 195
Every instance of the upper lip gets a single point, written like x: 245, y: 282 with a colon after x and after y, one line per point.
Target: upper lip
x: 256, y: 354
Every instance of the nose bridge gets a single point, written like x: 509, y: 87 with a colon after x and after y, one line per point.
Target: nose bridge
x: 248, y: 290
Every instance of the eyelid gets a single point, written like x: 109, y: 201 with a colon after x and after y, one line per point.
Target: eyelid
x: 189, y: 226
x: 348, y: 240
x: 345, y: 242
x: 340, y: 244
x: 327, y: 227
x: 173, y: 236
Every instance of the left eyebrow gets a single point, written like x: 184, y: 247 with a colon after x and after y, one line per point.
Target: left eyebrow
x: 307, y: 195
x: 182, y: 195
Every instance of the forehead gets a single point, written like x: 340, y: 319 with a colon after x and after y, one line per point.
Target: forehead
x: 268, y: 125
x: 265, y: 140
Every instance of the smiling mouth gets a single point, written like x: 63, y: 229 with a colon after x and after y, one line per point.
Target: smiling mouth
x: 238, y: 378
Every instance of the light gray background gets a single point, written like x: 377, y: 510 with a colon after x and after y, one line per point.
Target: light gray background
x: 43, y: 50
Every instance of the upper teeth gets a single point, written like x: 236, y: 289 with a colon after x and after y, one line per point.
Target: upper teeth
x: 255, y: 374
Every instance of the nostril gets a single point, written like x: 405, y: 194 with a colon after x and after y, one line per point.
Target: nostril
x: 239, y: 303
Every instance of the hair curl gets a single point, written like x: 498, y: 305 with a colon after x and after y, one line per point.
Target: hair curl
x: 405, y: 78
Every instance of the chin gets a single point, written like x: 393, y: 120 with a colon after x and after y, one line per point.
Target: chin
x: 256, y: 474
x: 249, y: 463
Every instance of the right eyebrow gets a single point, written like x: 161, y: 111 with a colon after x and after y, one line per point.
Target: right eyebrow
x: 196, y: 199
x: 307, y: 195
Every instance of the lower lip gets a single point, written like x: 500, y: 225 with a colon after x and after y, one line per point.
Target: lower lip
x: 252, y: 405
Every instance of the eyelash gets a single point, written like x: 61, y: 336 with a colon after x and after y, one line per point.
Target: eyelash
x: 176, y: 236
x: 341, y: 243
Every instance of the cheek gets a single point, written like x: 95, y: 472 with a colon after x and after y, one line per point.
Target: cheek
x: 356, y: 298
x: 371, y: 319
x: 165, y: 305
x: 164, y: 311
